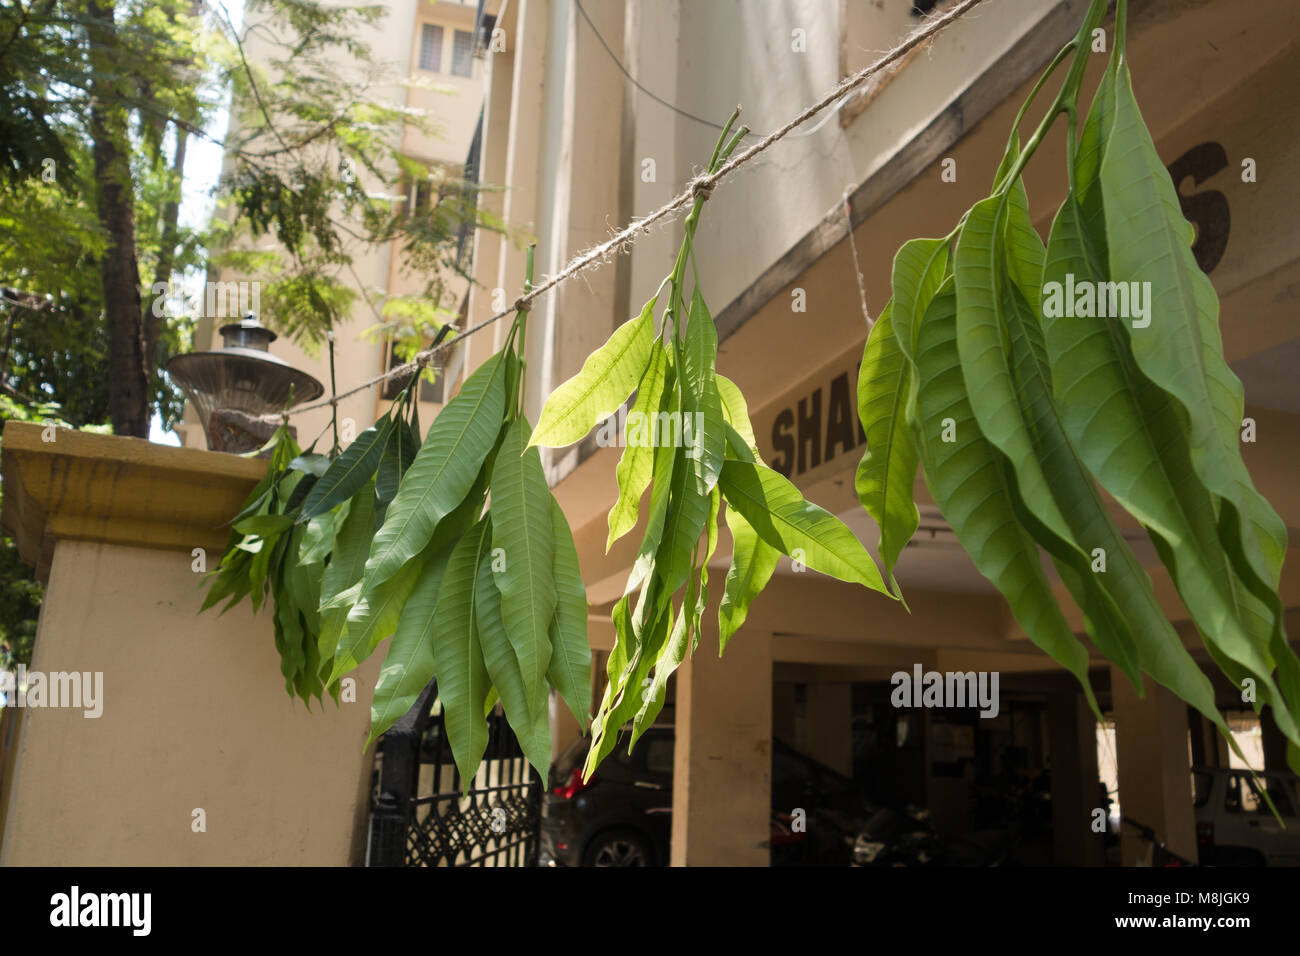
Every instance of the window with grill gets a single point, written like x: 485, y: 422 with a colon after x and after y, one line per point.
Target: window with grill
x: 431, y: 48
x: 462, y: 54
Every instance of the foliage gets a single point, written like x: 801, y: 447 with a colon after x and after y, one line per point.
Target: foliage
x: 316, y: 161
x: 396, y: 536
x: 1017, y: 414
x: 709, y: 459
x: 1018, y: 417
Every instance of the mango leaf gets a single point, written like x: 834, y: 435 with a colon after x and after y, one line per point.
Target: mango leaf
x: 570, y: 669
x: 1135, y: 439
x: 688, y: 510
x: 443, y: 471
x: 462, y: 674
x: 636, y: 466
x: 999, y: 343
x: 524, y: 541
x: 606, y: 380
x: 617, y: 710
x: 703, y: 405
x: 736, y: 412
x: 780, y: 516
x: 983, y: 344
x: 668, y: 660
x: 311, y: 464
x: 887, y: 471
x: 920, y: 266
x: 409, y: 664
x: 348, y: 472
x: 753, y: 561
x: 265, y: 526
x: 1181, y: 350
x: 319, y: 539
x: 973, y: 492
x: 398, y: 454
x: 347, y: 562
x: 528, y: 715
x: 373, y: 618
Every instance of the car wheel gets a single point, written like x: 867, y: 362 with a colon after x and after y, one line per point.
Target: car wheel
x: 619, y: 848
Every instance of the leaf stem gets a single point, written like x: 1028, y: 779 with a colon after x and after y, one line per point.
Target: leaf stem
x: 522, y: 323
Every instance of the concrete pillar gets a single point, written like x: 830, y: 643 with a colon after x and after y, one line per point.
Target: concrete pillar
x: 783, y: 707
x: 564, y: 728
x: 830, y: 726
x: 1154, y: 774
x: 189, y: 712
x: 1072, y: 735
x: 722, y: 767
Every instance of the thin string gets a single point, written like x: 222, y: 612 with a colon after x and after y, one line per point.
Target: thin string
x: 857, y: 264
x: 699, y: 187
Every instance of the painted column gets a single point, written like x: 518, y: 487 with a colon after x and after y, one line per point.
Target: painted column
x: 722, y: 766
x: 1154, y: 774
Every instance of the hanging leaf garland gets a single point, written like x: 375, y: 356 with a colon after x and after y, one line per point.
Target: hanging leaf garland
x: 396, y: 537
x: 690, y: 442
x: 1019, y: 409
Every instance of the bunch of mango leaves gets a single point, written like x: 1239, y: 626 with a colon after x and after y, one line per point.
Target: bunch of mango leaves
x: 1018, y: 407
x: 454, y: 546
x: 689, y: 441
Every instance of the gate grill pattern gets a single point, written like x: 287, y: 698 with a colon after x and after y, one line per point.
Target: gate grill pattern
x: 421, y: 818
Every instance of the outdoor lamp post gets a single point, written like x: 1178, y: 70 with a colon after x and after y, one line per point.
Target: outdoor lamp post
x: 233, y: 386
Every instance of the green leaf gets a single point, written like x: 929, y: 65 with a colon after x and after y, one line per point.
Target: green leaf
x: 319, y: 539
x: 606, y: 380
x: 983, y: 344
x: 703, y: 404
x: 348, y: 472
x: 570, y: 668
x: 347, y: 562
x: 522, y: 535
x: 1181, y: 350
x: 919, y: 268
x: 972, y: 489
x: 265, y: 526
x: 409, y: 664
x: 753, y: 561
x: 887, y: 471
x: 398, y: 454
x: 781, y: 517
x: 736, y: 412
x: 311, y: 464
x: 636, y: 466
x: 373, y: 618
x: 527, y: 714
x: 444, y: 469
x: 1135, y: 439
x: 688, y: 510
x: 620, y: 706
x: 462, y: 674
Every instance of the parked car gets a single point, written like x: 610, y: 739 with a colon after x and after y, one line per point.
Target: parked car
x: 623, y: 815
x: 1234, y: 826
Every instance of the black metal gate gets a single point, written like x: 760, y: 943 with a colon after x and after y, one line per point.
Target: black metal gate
x: 418, y: 815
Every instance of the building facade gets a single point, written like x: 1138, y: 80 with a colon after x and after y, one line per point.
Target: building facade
x: 598, y: 111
